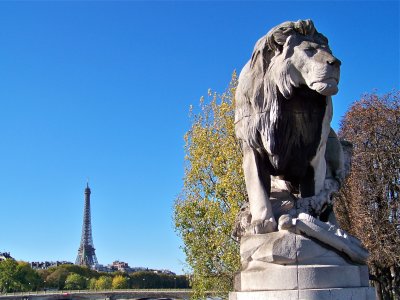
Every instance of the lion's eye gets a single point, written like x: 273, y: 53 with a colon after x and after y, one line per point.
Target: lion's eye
x: 310, y: 50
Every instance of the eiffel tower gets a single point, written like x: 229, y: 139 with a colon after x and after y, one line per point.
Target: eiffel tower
x: 86, y: 255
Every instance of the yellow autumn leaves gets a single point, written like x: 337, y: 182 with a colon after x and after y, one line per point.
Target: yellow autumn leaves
x: 213, y: 192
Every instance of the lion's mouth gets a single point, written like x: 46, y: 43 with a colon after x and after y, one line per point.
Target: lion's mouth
x: 326, y: 87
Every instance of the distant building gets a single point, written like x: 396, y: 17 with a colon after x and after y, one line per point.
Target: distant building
x: 164, y: 271
x: 5, y: 255
x: 121, y: 267
x: 44, y: 265
x: 102, y: 268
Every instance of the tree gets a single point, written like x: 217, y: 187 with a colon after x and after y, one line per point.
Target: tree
x: 213, y: 193
x: 28, y: 278
x: 81, y: 270
x: 145, y: 280
x: 18, y: 276
x: 104, y: 283
x: 75, y: 282
x: 119, y: 282
x: 92, y: 283
x: 56, y: 278
x: 43, y: 273
x: 148, y: 279
x: 9, y: 276
x: 369, y: 204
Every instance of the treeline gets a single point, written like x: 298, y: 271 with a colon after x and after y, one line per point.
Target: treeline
x: 19, y: 276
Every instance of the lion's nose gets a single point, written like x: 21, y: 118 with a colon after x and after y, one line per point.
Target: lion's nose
x: 334, y: 61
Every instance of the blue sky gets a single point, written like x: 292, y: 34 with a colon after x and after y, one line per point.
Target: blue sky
x: 101, y: 90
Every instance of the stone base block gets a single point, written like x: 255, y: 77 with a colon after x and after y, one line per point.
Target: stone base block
x: 360, y: 293
x: 277, y: 277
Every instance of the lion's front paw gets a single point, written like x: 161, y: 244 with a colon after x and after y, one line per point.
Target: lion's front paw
x: 262, y: 226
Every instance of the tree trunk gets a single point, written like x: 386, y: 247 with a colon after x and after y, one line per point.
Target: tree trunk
x: 396, y: 282
x: 378, y: 290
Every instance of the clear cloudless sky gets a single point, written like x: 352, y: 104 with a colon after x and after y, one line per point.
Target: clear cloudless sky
x: 101, y: 90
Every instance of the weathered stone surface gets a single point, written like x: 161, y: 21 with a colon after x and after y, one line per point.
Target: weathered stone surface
x: 281, y: 250
x: 320, y: 276
x: 285, y: 248
x: 284, y: 260
x: 275, y: 277
x: 265, y: 295
x: 280, y: 277
x: 362, y: 293
x: 364, y: 275
x: 332, y: 236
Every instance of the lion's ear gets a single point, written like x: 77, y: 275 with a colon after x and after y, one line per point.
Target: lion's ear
x: 290, y: 42
x: 277, y: 39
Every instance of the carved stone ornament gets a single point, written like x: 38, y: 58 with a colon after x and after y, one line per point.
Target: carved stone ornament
x: 293, y: 165
x: 293, y: 161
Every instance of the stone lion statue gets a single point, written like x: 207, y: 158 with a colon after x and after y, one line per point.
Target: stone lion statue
x: 282, y: 116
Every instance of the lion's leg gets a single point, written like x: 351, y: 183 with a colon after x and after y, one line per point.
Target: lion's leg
x: 319, y: 166
x: 313, y: 181
x: 258, y: 184
x: 313, y: 194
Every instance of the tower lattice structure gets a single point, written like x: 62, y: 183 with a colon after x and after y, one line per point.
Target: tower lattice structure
x: 86, y: 252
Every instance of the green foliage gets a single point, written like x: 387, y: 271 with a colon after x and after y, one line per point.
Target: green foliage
x: 56, y: 278
x: 29, y: 279
x: 144, y: 280
x: 173, y: 281
x: 119, y: 282
x: 75, y: 282
x: 81, y: 270
x: 92, y: 283
x: 18, y: 276
x: 43, y: 273
x: 151, y: 280
x: 9, y: 276
x: 214, y: 190
x: 104, y: 283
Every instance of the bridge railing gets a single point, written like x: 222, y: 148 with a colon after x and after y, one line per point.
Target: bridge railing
x: 96, y: 291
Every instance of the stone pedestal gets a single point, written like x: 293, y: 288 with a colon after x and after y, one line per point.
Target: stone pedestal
x: 364, y: 293
x: 285, y: 265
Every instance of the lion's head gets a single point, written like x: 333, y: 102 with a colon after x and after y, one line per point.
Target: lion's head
x: 301, y: 56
